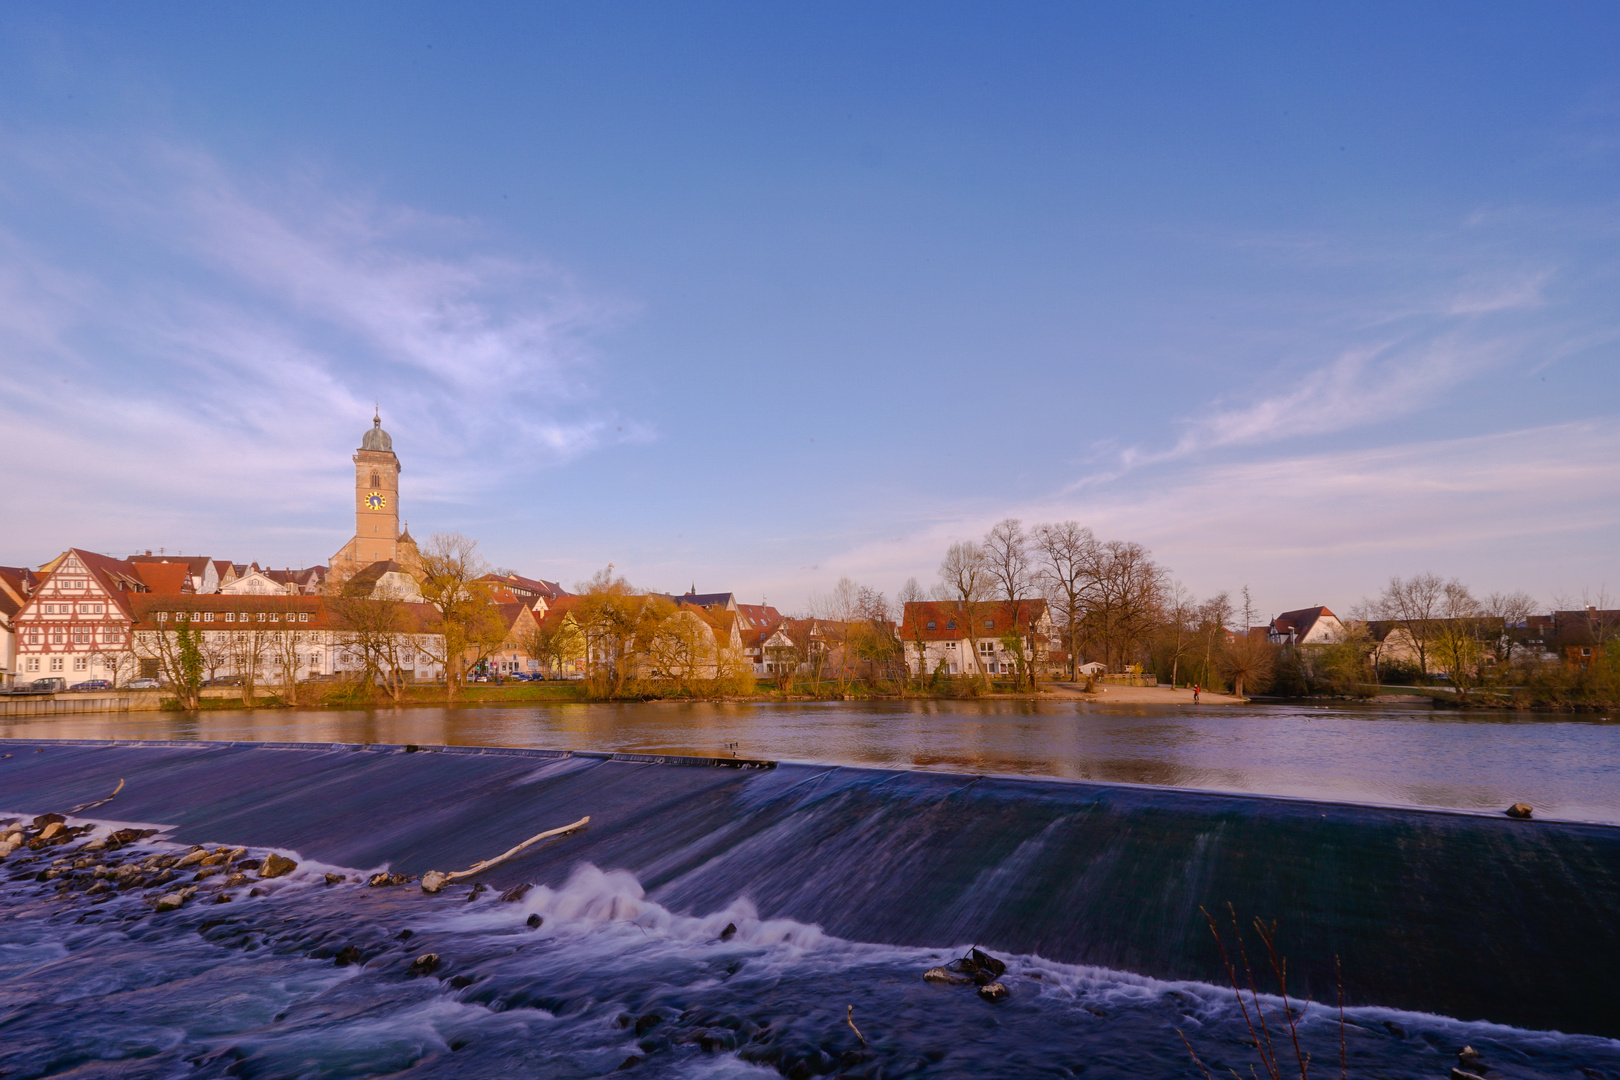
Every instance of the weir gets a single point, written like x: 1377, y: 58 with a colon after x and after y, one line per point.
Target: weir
x: 1466, y: 915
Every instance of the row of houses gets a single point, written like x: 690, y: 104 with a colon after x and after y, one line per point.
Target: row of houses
x: 81, y: 618
x: 1574, y: 637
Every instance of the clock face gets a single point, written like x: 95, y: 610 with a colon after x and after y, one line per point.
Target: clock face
x: 376, y: 501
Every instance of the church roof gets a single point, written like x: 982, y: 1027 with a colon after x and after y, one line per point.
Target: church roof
x: 377, y: 438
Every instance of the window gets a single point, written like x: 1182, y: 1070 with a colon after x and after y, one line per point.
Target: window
x: 208, y: 616
x: 930, y: 624
x: 376, y: 479
x: 110, y: 637
x: 56, y: 637
x: 56, y: 663
x: 73, y: 584
x: 261, y: 616
x: 33, y: 665
x: 81, y: 637
x: 314, y: 659
x: 163, y: 616
x: 303, y: 616
x: 81, y: 663
x: 230, y: 616
x: 274, y: 617
x: 951, y: 625
x: 987, y: 647
x: 989, y: 624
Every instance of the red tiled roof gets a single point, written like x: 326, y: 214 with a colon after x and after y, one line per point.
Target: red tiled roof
x: 164, y: 578
x: 950, y: 623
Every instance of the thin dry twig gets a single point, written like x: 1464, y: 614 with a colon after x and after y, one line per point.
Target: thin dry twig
x: 98, y: 802
x: 434, y: 880
x: 1268, y: 1056
x: 849, y: 1018
x: 1344, y: 1057
x: 1279, y: 968
x: 1194, y: 1054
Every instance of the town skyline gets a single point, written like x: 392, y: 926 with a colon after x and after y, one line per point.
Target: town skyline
x: 755, y: 303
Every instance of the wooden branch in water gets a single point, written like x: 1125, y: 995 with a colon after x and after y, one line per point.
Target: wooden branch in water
x: 434, y: 880
x: 98, y: 802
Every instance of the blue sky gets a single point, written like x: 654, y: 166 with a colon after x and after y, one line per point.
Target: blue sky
x: 756, y: 296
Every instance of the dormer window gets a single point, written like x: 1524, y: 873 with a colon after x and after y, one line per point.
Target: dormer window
x: 989, y: 624
x: 951, y: 625
x: 930, y: 624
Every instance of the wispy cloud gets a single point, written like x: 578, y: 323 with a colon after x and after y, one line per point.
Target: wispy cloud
x: 1331, y: 527
x: 194, y: 335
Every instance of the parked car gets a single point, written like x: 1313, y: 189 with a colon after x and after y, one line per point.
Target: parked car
x: 92, y: 684
x: 47, y: 686
x: 225, y: 680
x: 141, y: 684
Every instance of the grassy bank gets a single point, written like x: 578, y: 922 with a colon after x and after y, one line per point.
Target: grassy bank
x: 361, y: 696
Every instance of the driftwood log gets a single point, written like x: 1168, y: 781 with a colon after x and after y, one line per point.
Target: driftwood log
x: 434, y: 880
x: 98, y: 802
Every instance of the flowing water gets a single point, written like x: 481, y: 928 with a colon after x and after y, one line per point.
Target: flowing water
x: 717, y: 922
x: 1567, y: 767
x: 591, y: 976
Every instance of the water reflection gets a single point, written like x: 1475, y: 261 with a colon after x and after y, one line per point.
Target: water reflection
x: 1563, y: 766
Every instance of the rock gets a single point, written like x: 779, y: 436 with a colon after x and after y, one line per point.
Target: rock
x: 476, y: 891
x: 215, y: 859
x: 533, y: 922
x: 171, y: 901
x: 52, y: 831
x: 248, y: 864
x: 96, y: 845
x: 163, y: 878
x: 434, y: 880
x: 993, y: 992
x: 206, y: 873
x: 729, y: 932
x: 98, y: 888
x: 221, y: 898
x: 192, y: 858
x: 647, y: 1023
x: 1519, y: 810
x: 275, y: 866
x: 378, y: 881
x: 7, y: 848
x: 336, y: 879
x: 1468, y: 1056
x: 256, y: 891
x: 349, y: 954
x: 236, y: 881
x: 630, y: 1062
x: 426, y: 964
x: 515, y: 893
x: 940, y: 975
x: 404, y: 935
x: 48, y: 819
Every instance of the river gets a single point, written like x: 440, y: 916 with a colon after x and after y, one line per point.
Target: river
x: 1567, y: 767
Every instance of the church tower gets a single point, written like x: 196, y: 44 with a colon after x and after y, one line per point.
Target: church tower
x: 376, y: 509
x: 376, y: 496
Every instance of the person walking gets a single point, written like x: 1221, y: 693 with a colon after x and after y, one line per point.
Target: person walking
x: 1195, y: 693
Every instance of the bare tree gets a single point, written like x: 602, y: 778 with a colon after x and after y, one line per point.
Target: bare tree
x: 912, y: 593
x: 375, y: 634
x: 1007, y: 558
x: 1413, y: 604
x: 174, y: 641
x: 1065, y: 555
x: 1213, y: 616
x: 1247, y: 659
x: 1455, y: 636
x: 555, y: 641
x: 1181, y: 635
x: 1514, y: 609
x: 965, y: 581
x: 611, y: 614
x: 1125, y: 599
